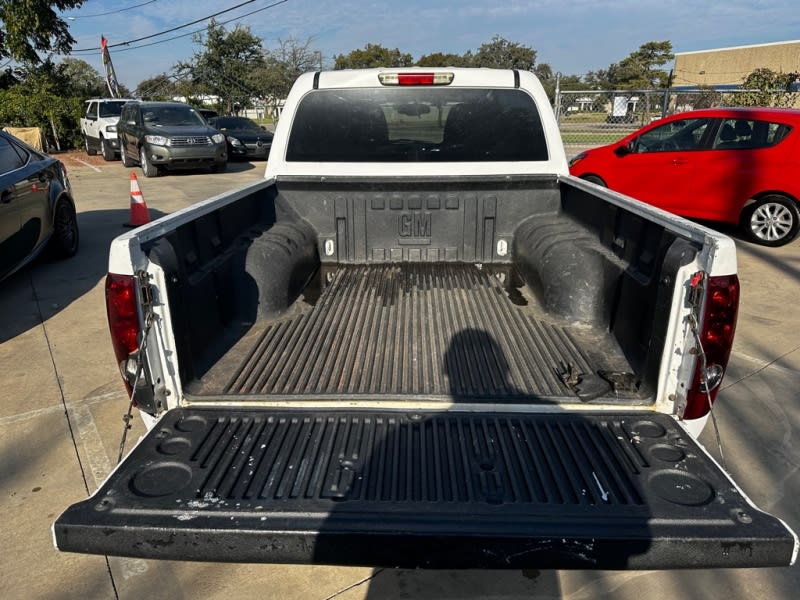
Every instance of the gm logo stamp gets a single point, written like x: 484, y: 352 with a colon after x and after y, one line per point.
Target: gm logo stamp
x: 414, y: 227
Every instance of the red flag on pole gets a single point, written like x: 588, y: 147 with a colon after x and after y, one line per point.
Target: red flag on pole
x: 111, y: 77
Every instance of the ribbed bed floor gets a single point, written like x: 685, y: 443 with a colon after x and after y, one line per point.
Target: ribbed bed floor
x: 432, y: 330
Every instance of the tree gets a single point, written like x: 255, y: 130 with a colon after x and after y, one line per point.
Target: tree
x: 438, y: 59
x: 34, y: 26
x: 638, y: 70
x: 160, y: 87
x: 765, y: 87
x: 503, y: 54
x: 372, y: 55
x: 283, y: 65
x: 39, y: 100
x: 224, y: 68
x: 82, y: 79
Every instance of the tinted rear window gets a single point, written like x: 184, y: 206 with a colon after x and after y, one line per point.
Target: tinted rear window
x: 417, y: 125
x: 111, y: 109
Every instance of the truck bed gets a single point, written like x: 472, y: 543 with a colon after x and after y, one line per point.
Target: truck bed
x: 502, y: 291
x: 409, y: 331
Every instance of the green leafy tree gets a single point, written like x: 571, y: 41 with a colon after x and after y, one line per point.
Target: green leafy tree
x: 372, y: 55
x: 283, y: 65
x: 33, y: 26
x: 639, y: 70
x: 503, y: 54
x: 82, y: 79
x: 38, y: 100
x: 224, y: 67
x: 160, y: 87
x: 438, y: 59
x: 765, y: 87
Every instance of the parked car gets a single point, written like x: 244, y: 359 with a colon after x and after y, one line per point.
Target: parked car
x: 99, y: 126
x: 245, y: 137
x: 736, y: 165
x: 168, y: 135
x: 36, y: 206
x: 207, y: 113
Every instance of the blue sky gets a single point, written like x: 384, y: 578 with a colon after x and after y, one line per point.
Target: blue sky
x: 573, y: 36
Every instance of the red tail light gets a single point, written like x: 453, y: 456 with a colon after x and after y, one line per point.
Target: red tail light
x: 123, y: 318
x: 719, y: 325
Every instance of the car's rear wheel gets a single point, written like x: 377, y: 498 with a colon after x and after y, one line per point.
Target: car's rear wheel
x: 106, y: 150
x: 148, y: 168
x: 64, y: 242
x: 89, y: 150
x: 773, y: 220
x: 595, y: 180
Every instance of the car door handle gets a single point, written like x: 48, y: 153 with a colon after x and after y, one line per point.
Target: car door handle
x: 679, y: 161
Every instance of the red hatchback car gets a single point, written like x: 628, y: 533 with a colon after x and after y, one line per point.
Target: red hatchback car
x: 735, y: 165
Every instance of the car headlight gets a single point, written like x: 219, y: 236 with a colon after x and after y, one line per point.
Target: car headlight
x: 218, y: 138
x: 578, y: 157
x: 111, y: 128
x: 156, y: 140
x: 234, y: 141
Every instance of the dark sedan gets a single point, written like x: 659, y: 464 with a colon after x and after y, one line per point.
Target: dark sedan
x: 245, y: 137
x: 36, y: 206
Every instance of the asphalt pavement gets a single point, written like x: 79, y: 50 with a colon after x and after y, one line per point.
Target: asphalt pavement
x: 62, y: 402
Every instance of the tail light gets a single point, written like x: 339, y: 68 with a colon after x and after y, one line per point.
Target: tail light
x: 716, y: 337
x: 123, y: 319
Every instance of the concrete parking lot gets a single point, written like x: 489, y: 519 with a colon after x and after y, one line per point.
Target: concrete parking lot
x: 62, y: 402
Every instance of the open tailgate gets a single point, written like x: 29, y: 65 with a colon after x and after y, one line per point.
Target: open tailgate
x: 425, y: 490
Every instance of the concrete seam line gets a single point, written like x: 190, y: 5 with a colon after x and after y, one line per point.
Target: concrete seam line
x: 33, y: 414
x: 356, y: 584
x: 66, y: 412
x: 770, y: 365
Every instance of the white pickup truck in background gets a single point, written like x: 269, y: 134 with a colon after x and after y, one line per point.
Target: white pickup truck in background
x: 420, y: 342
x: 99, y: 126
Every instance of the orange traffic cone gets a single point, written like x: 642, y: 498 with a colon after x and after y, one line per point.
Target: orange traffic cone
x: 139, y: 213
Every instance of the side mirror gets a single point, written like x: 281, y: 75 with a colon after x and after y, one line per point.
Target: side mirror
x: 625, y: 149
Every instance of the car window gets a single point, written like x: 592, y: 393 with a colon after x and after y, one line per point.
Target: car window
x: 127, y: 114
x: 111, y: 109
x: 11, y: 158
x: 748, y: 133
x: 417, y: 125
x: 165, y: 116
x: 684, y: 134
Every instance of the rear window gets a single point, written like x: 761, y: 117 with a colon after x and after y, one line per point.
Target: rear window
x: 111, y: 109
x: 11, y: 157
x: 749, y: 133
x: 417, y: 125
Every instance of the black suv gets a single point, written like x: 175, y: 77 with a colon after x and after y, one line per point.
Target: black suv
x: 168, y: 135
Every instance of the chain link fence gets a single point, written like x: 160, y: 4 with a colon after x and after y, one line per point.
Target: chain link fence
x: 591, y: 118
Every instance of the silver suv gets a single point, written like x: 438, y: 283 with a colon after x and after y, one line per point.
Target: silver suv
x: 168, y: 135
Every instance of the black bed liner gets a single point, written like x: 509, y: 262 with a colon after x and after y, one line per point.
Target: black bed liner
x: 408, y: 330
x: 424, y: 489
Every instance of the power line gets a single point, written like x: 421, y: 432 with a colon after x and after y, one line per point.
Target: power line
x: 147, y: 37
x: 111, y: 12
x: 183, y: 35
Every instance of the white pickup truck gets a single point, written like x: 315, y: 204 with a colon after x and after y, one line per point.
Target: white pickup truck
x: 99, y: 126
x: 419, y: 342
